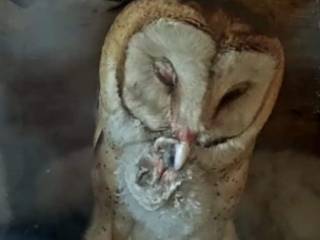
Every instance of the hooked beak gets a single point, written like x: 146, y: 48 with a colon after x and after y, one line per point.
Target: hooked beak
x: 176, y: 150
x: 182, y: 149
x: 181, y: 155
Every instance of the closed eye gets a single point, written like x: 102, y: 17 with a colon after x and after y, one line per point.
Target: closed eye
x: 233, y: 94
x: 165, y: 72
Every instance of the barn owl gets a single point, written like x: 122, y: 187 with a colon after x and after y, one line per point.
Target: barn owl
x: 184, y: 91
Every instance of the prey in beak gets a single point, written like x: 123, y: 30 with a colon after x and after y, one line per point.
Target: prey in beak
x: 175, y: 151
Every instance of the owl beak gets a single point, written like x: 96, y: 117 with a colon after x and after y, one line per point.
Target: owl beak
x: 177, y: 149
x: 182, y: 149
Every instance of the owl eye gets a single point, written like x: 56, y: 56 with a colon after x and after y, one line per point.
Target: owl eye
x: 233, y: 94
x: 165, y: 72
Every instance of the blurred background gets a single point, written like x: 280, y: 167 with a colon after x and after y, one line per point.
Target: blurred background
x: 49, y: 61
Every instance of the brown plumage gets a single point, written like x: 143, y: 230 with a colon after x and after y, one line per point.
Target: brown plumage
x: 172, y: 159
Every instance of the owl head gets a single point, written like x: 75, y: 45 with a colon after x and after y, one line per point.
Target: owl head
x: 184, y: 91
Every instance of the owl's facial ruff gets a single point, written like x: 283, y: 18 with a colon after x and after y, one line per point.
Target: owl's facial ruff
x: 178, y: 78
